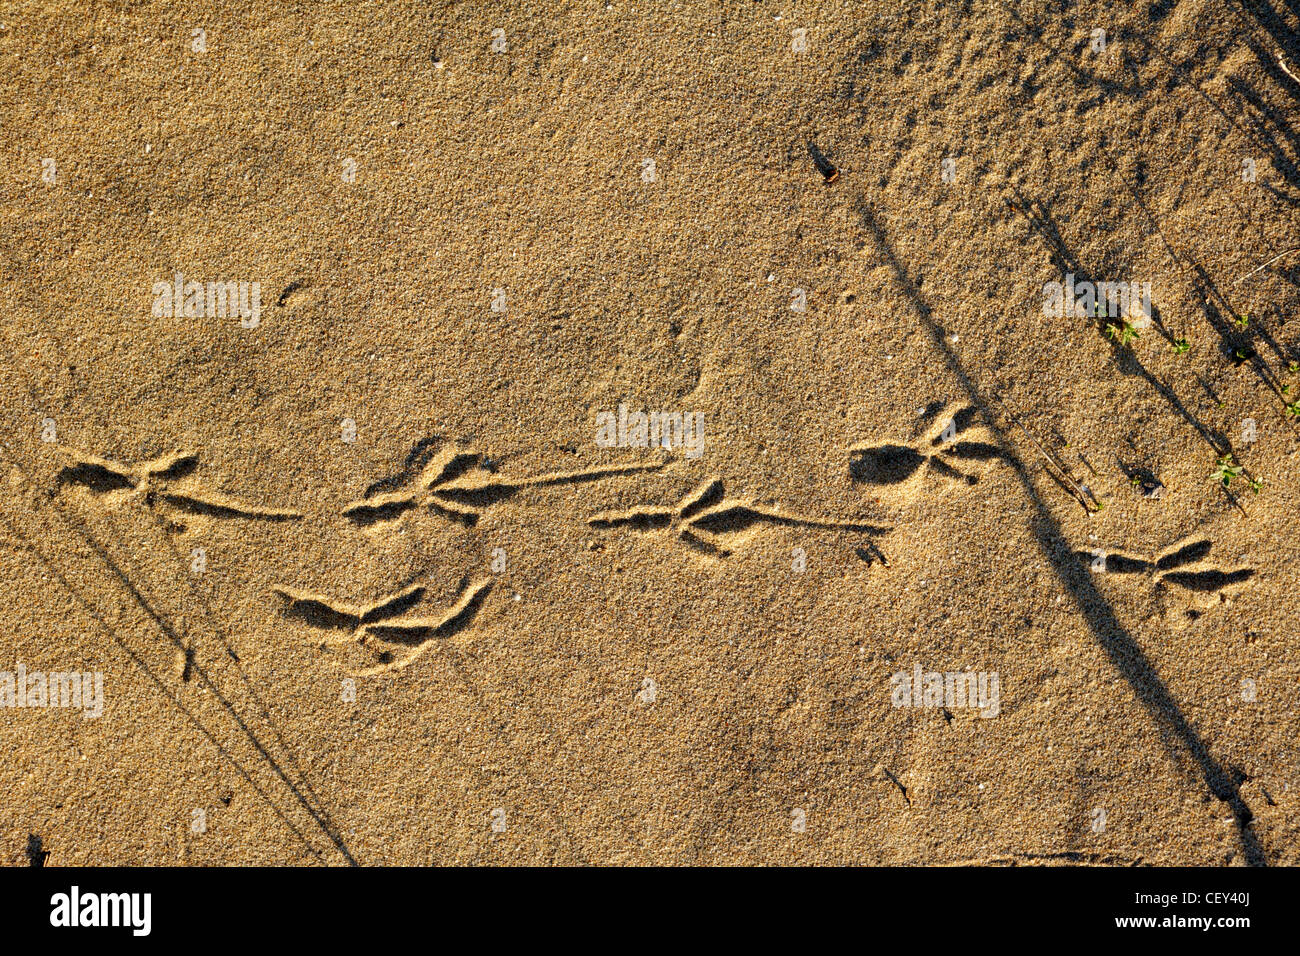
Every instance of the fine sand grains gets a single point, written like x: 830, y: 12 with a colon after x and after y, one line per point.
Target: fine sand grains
x: 560, y: 433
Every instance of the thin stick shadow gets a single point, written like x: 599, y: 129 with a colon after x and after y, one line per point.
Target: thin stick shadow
x: 1040, y: 221
x: 1124, y: 653
x: 316, y: 815
x: 319, y: 817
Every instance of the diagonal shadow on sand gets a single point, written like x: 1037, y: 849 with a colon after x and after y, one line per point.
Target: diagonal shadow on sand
x: 318, y: 815
x: 1123, y: 651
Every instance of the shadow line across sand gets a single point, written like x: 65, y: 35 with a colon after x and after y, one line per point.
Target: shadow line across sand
x: 1121, y: 649
x: 319, y: 816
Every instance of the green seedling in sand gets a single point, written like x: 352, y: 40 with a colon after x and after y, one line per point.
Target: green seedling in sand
x: 1293, y: 408
x: 1181, y: 346
x: 1242, y: 321
x: 1293, y: 367
x: 1123, y: 333
x: 1226, y: 469
x: 1255, y: 484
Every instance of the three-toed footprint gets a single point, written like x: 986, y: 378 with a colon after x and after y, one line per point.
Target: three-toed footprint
x: 167, y: 480
x: 706, y: 515
x: 456, y: 484
x: 385, y: 626
x: 938, y: 448
x: 1164, y: 569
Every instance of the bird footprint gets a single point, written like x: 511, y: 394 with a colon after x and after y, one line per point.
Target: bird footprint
x: 401, y: 637
x: 707, y: 515
x: 1163, y: 569
x: 456, y: 485
x: 891, y: 464
x: 166, y: 480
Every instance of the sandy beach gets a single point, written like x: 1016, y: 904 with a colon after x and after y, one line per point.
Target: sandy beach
x: 679, y: 433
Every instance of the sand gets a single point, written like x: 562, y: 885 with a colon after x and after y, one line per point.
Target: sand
x: 365, y: 581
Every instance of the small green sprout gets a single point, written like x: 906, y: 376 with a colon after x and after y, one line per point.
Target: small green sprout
x: 1181, y: 346
x: 1293, y: 408
x: 1293, y: 367
x: 1123, y: 333
x: 1226, y: 469
x: 1255, y: 484
x: 1243, y: 321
